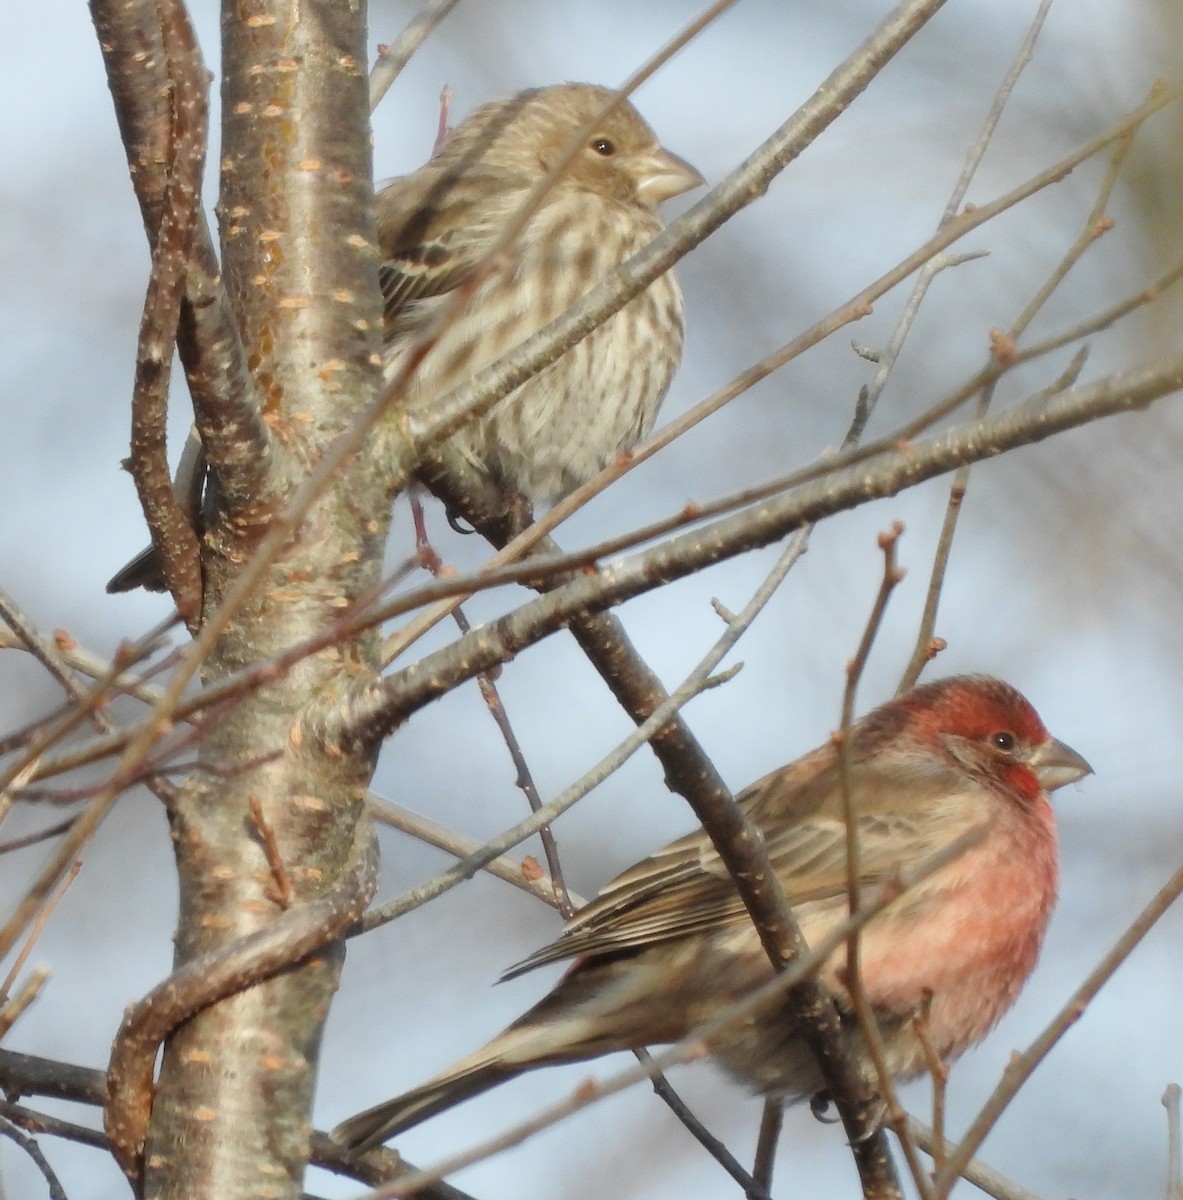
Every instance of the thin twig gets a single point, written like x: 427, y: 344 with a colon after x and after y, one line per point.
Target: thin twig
x: 468, y: 867
x: 34, y: 839
x: 25, y: 766
x: 51, y: 654
x: 1170, y: 1101
x: 492, y: 698
x: 771, y: 1121
x: 1095, y: 226
x: 393, y: 58
x: 852, y: 977
x: 892, y: 575
x: 461, y: 846
x: 85, y: 703
x: 985, y: 1178
x: 87, y: 663
x: 38, y: 926
x: 525, y: 779
x: 713, y: 1145
x: 30, y: 1147
x: 938, y: 1072
x: 890, y: 353
x: 282, y: 892
x: 13, y: 1009
x: 1103, y: 319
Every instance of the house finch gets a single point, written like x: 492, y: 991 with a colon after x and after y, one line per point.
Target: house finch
x: 668, y: 944
x: 435, y: 225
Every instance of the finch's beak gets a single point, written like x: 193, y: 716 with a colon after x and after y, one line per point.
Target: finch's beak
x: 664, y: 175
x: 1055, y: 764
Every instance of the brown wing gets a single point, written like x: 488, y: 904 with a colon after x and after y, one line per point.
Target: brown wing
x: 434, y: 226
x: 684, y: 888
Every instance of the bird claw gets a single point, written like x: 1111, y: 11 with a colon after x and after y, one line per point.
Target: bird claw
x: 456, y: 523
x: 821, y: 1105
x: 873, y: 1121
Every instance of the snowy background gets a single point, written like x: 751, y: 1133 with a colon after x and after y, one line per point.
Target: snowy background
x: 1065, y: 580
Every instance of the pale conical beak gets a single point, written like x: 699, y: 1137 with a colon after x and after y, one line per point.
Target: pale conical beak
x: 664, y: 175
x: 1055, y: 765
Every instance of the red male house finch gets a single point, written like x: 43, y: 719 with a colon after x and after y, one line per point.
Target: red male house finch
x: 668, y: 944
x: 437, y: 224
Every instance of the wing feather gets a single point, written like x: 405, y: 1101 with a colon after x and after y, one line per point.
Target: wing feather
x: 684, y: 889
x: 436, y: 225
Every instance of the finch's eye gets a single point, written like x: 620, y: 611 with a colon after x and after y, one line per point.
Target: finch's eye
x: 603, y: 146
x: 1004, y: 740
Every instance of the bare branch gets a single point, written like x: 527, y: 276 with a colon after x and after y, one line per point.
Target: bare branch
x: 888, y: 357
x: 28, y: 1075
x: 992, y: 1182
x: 38, y: 926
x: 237, y: 442
x: 30, y: 1147
x: 392, y: 58
x: 379, y: 706
x: 204, y: 980
x: 12, y: 1010
x: 1095, y: 226
x: 172, y: 534
x: 711, y: 1144
x: 770, y: 1126
x: 852, y: 973
x: 548, y: 813
x: 461, y: 846
x: 1170, y: 1101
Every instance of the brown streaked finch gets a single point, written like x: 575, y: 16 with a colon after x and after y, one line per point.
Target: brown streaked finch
x: 436, y: 225
x: 668, y: 944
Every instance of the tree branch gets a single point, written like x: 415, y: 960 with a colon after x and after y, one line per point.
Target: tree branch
x: 237, y: 443
x: 375, y: 708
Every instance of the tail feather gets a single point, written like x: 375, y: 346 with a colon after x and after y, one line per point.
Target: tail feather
x: 144, y: 571
x: 372, y: 1127
x: 568, y: 1025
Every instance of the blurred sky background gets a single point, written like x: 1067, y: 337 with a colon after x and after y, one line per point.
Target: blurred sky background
x: 1065, y: 580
